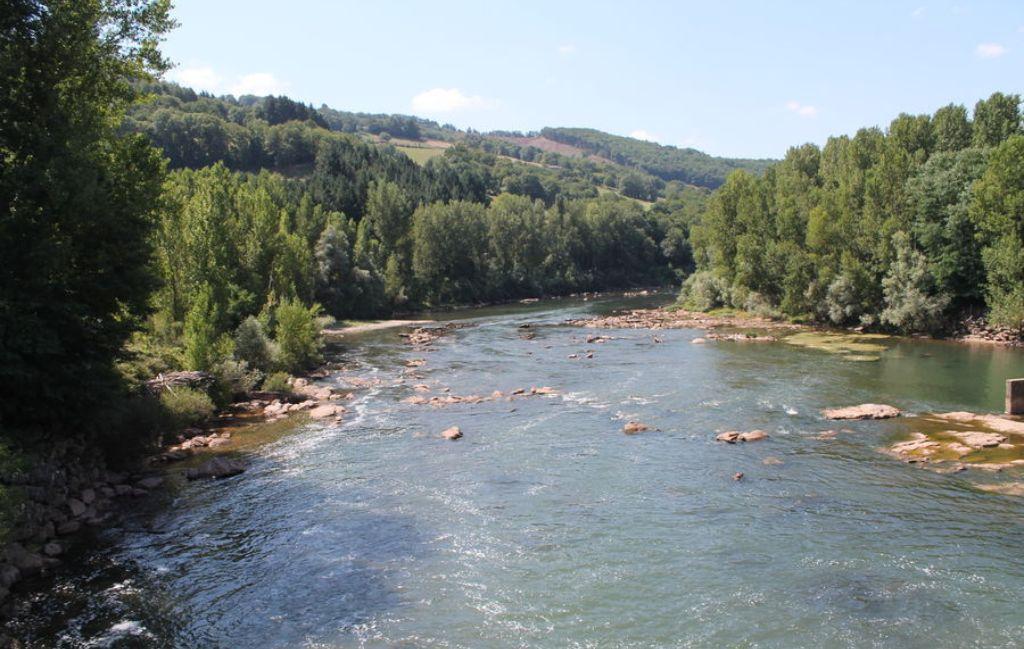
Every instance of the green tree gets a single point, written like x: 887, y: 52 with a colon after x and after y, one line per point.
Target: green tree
x: 298, y: 336
x: 910, y: 302
x: 996, y: 119
x: 201, y: 331
x: 252, y: 345
x: 998, y: 208
x: 77, y: 200
x: 952, y: 128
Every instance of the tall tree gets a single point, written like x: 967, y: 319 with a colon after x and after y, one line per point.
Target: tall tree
x: 76, y: 198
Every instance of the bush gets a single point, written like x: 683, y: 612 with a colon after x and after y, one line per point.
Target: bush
x: 298, y: 336
x: 704, y: 291
x: 252, y: 345
x: 908, y: 288
x: 759, y: 305
x: 278, y: 382
x: 186, y: 406
x: 233, y: 380
x: 131, y: 428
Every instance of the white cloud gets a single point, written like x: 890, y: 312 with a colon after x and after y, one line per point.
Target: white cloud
x: 448, y: 100
x: 641, y: 134
x: 198, y: 78
x: 205, y: 78
x: 917, y: 13
x: 566, y: 49
x: 990, y: 50
x: 803, y: 110
x: 258, y: 83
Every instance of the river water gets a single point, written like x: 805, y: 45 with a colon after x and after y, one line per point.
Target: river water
x: 546, y: 526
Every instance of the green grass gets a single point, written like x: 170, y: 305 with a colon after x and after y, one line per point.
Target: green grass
x: 604, y: 189
x: 421, y: 154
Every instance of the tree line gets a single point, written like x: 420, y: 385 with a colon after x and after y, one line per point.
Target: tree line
x: 905, y: 229
x: 668, y: 163
x: 148, y: 228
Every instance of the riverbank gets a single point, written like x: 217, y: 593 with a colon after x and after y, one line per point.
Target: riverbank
x: 971, y: 331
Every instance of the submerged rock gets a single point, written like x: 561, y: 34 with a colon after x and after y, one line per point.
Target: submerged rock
x: 977, y: 439
x: 863, y: 411
x: 1007, y: 489
x: 218, y: 467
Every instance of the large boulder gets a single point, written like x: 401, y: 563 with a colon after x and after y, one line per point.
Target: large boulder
x: 863, y: 411
x: 218, y: 467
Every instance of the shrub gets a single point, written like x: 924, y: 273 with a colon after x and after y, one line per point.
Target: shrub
x: 298, y: 336
x: 278, y: 382
x: 704, y: 291
x: 910, y: 304
x: 186, y: 406
x: 233, y: 380
x: 759, y: 305
x: 131, y: 428
x: 252, y: 345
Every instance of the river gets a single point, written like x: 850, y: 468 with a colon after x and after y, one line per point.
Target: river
x: 546, y: 526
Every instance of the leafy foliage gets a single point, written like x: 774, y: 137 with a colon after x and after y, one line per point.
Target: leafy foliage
x: 77, y: 200
x: 903, y: 228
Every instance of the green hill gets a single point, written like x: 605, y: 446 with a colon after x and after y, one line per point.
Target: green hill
x: 689, y: 166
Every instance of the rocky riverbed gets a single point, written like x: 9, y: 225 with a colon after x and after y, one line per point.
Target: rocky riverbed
x: 510, y: 472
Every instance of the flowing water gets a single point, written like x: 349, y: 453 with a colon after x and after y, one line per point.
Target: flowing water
x: 547, y: 526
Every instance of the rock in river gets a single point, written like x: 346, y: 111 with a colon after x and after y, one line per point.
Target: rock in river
x: 218, y: 467
x: 452, y: 433
x: 732, y: 436
x: 977, y: 439
x: 634, y: 427
x: 863, y: 411
x: 327, y: 410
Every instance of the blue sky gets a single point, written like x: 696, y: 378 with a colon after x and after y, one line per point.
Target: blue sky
x: 744, y: 79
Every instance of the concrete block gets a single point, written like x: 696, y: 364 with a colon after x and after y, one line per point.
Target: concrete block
x: 1015, y: 397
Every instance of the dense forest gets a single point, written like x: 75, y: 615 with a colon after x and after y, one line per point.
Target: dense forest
x: 665, y: 162
x: 905, y: 229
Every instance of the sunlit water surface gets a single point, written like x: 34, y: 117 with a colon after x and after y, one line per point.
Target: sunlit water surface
x: 546, y: 526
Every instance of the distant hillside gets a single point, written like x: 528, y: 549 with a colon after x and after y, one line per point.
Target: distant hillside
x: 689, y: 166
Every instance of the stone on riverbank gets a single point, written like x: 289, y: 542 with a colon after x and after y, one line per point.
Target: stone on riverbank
x: 863, y: 411
x: 218, y: 467
x: 326, y: 411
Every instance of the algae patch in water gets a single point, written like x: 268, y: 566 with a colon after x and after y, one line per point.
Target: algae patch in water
x: 850, y: 346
